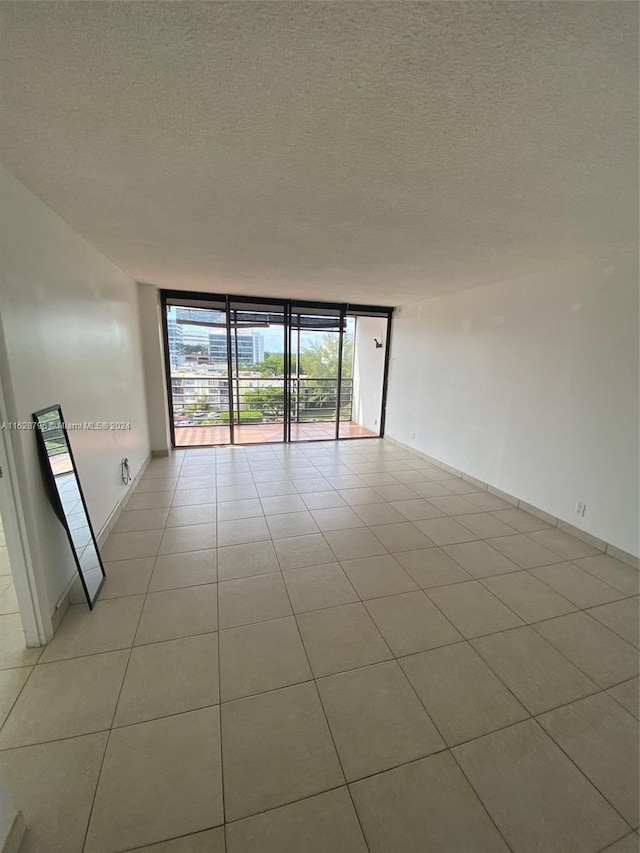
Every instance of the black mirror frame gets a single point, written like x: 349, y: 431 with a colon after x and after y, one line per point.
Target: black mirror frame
x: 54, y: 498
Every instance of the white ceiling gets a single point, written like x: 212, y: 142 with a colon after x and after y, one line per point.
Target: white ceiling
x: 365, y: 152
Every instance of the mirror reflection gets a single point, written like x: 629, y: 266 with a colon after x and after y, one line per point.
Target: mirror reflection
x: 67, y: 499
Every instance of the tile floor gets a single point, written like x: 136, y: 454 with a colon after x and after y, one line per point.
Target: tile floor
x: 331, y: 647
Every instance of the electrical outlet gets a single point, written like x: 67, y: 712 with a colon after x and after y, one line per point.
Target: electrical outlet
x: 581, y: 509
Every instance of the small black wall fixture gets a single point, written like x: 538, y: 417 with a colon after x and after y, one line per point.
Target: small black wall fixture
x: 65, y: 494
x: 378, y: 343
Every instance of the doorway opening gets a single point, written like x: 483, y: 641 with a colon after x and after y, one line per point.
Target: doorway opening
x: 243, y: 370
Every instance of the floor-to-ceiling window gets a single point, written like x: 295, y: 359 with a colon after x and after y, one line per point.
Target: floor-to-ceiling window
x: 245, y: 370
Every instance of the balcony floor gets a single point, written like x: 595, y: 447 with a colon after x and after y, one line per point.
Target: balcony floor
x: 261, y: 433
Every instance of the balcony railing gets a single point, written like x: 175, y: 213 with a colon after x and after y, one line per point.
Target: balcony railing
x: 204, y: 400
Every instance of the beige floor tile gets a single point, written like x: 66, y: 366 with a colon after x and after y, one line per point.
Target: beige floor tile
x: 177, y: 613
x: 472, y: 609
x: 612, y: 571
x: 378, y: 576
x: 480, y: 559
x: 162, y: 468
x: 602, y: 739
x: 54, y: 784
x: 430, y: 489
x: 194, y: 568
x: 235, y: 510
x: 382, y: 513
x: 520, y: 520
x: 11, y: 683
x: 169, y: 678
x: 351, y: 544
x: 486, y: 525
x: 322, y: 500
x: 276, y: 749
x: 531, y: 599
x: 192, y: 537
x: 242, y: 531
x: 140, y: 519
x: 562, y: 543
x: 454, y: 505
x: 130, y: 546
x: 576, y: 585
x: 395, y: 492
x: 111, y: 625
x: 601, y: 654
x: 341, y: 638
x: 326, y: 822
x: 347, y: 481
x: 297, y: 552
x: 127, y: 577
x: 533, y: 670
x: 488, y: 502
x: 416, y: 509
x: 156, y: 484
x: 317, y: 587
x: 376, y: 720
x: 536, y: 796
x: 432, y: 567
x: 427, y: 805
x: 445, y: 531
x: 159, y: 779
x: 9, y: 601
x: 403, y: 536
x: 627, y: 694
x: 274, y: 488
x: 291, y: 524
x: 192, y: 497
x: 256, y: 599
x: 621, y: 617
x: 237, y: 492
x: 260, y: 657
x: 310, y: 485
x: 363, y: 495
x: 410, y: 623
x: 150, y: 500
x: 248, y: 560
x: 283, y: 503
x: 66, y: 699
x: 192, y: 480
x: 629, y: 844
x: 338, y: 518
x: 209, y: 841
x: 460, y: 487
x: 463, y: 696
x: 180, y: 516
x: 524, y: 551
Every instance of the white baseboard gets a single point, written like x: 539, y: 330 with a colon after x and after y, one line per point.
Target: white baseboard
x: 600, y: 544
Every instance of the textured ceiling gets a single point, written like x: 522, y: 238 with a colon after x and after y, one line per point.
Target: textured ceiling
x: 370, y: 152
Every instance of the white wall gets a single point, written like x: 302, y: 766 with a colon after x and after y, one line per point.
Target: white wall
x: 368, y: 371
x: 531, y: 385
x: 71, y: 336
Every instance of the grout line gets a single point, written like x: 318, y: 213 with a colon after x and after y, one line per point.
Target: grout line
x: 326, y: 718
x: 397, y: 659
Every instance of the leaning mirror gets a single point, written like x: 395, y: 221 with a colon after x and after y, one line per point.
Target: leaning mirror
x: 65, y: 493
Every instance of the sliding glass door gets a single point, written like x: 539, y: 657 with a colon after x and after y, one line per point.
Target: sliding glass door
x: 257, y: 371
x: 315, y: 354
x: 244, y: 370
x: 198, y: 355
